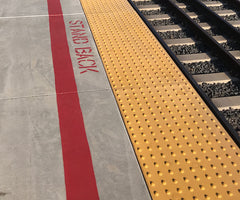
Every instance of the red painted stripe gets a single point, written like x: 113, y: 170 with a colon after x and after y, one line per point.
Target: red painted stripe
x: 79, y: 175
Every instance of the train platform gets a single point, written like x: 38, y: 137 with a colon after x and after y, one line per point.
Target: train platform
x: 92, y: 107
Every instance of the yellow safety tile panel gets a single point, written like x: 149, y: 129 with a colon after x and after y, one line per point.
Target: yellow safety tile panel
x: 183, y: 150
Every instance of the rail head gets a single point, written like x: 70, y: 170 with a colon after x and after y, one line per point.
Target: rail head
x: 222, y: 24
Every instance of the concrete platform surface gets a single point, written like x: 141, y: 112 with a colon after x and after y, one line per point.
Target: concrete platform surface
x: 32, y: 164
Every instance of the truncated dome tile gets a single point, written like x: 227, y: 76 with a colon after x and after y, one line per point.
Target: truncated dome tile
x: 183, y: 150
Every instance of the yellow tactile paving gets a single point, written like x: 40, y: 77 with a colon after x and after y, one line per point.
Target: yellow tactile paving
x: 183, y: 151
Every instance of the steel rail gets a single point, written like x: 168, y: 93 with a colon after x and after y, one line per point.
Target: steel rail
x: 208, y: 40
x: 205, y: 98
x: 223, y: 25
x: 236, y: 3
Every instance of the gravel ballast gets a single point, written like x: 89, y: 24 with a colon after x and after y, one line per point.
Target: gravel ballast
x: 174, y: 34
x: 163, y: 22
x: 187, y: 49
x: 204, y: 67
x: 221, y: 89
x: 153, y: 12
x: 233, y: 117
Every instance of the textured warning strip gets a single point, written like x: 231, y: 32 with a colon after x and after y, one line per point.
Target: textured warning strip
x: 79, y: 176
x: 183, y: 151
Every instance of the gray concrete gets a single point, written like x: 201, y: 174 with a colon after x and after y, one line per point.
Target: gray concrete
x: 149, y: 7
x: 227, y: 102
x: 116, y: 169
x: 225, y: 12
x: 166, y: 16
x: 30, y: 145
x: 162, y: 28
x: 236, y: 54
x: 156, y: 6
x: 213, y: 3
x: 235, y: 23
x: 34, y: 8
x: 191, y: 58
x: 12, y: 8
x: 192, y: 14
x: 30, y: 150
x: 190, y: 41
x: 180, y: 41
x: 25, y: 57
x: 71, y: 6
x: 89, y: 81
x: 220, y: 77
x: 157, y: 17
x: 201, y: 57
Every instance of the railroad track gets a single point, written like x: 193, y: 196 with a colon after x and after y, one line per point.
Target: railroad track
x: 204, y: 37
